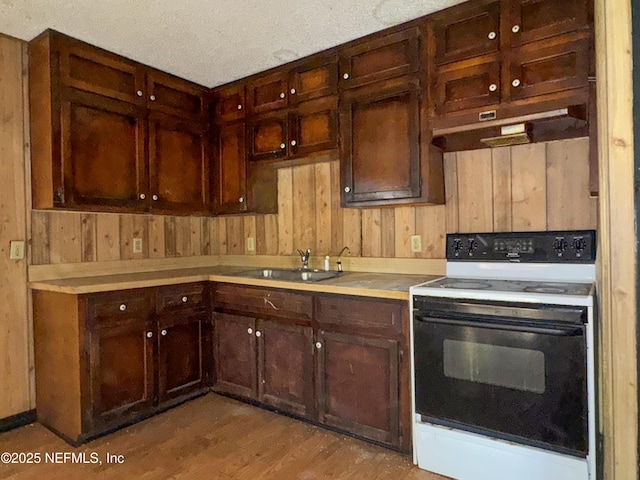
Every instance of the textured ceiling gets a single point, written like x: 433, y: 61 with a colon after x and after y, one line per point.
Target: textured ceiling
x: 211, y: 41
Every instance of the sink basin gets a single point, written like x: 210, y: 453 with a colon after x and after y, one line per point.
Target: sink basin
x: 289, y: 275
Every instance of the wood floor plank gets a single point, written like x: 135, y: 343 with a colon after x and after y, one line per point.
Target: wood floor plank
x: 213, y: 437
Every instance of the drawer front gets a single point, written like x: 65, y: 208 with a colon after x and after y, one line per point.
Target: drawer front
x: 190, y: 296
x: 263, y: 301
x: 368, y: 315
x: 468, y: 87
x: 121, y: 306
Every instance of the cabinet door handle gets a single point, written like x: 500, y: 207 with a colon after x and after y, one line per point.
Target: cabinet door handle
x: 185, y: 299
x: 492, y: 35
x: 239, y: 107
x: 149, y: 334
x: 282, y: 145
x: 293, y: 143
x: 152, y: 98
x: 249, y: 331
x: 345, y: 76
x: 282, y: 95
x: 155, y: 197
x: 347, y: 189
x: 142, y: 196
x: 515, y: 28
x: 516, y: 83
x: 258, y: 333
x: 318, y: 345
x: 241, y: 199
x: 493, y: 87
x: 123, y: 307
x: 293, y: 91
x: 163, y: 333
x: 139, y: 93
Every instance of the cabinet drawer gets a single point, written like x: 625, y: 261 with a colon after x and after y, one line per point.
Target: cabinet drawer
x: 174, y: 297
x: 359, y: 313
x: 467, y: 87
x: 111, y: 307
x: 262, y: 301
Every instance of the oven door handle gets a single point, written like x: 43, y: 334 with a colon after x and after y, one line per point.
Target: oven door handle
x: 571, y: 331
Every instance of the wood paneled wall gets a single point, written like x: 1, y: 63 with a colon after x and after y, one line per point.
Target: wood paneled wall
x: 14, y: 323
x: 531, y: 187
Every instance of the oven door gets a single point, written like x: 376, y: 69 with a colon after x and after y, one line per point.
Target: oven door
x: 511, y: 371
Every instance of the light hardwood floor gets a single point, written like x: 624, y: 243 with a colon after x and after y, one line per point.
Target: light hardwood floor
x: 213, y: 437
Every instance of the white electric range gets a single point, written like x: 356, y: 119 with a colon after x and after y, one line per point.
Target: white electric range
x: 503, y: 370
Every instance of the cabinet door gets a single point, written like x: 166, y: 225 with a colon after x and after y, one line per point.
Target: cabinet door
x: 380, y: 58
x: 229, y: 103
x: 268, y: 93
x: 268, y: 137
x: 313, y: 79
x: 469, y: 32
x: 235, y: 355
x: 532, y: 20
x: 175, y: 96
x: 178, y: 165
x: 95, y: 70
x: 380, y: 148
x: 181, y: 355
x: 229, y: 175
x: 285, y: 356
x: 313, y: 127
x: 548, y: 67
x: 121, y: 371
x: 468, y: 87
x: 357, y: 385
x: 103, y: 153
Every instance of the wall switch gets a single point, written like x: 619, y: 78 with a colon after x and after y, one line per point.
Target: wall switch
x: 17, y: 250
x: 416, y: 243
x: 137, y: 245
x: 251, y: 244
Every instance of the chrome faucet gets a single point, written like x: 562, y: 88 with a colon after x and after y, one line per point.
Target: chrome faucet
x: 304, y: 258
x: 339, y: 262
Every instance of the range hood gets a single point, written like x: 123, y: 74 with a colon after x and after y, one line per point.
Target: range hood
x: 559, y: 124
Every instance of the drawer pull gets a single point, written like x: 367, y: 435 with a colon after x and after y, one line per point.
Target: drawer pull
x: 249, y: 331
x: 282, y: 95
x: 184, y: 299
x: 123, y: 307
x: 163, y: 333
x: 239, y: 107
x: 270, y: 303
x: 149, y: 334
x: 492, y: 35
x: 318, y: 345
x: 493, y: 87
x: 515, y: 28
x: 345, y: 76
x: 516, y: 83
x: 258, y: 333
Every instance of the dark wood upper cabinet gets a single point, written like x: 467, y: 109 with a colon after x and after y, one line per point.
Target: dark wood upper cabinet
x: 269, y: 92
x: 229, y: 172
x: 285, y: 380
x: 229, y: 103
x: 102, y: 150
x: 467, y: 87
x: 174, y: 96
x: 178, y: 165
x: 313, y: 127
x: 380, y: 58
x: 315, y: 78
x: 468, y: 32
x: 533, y: 20
x: 548, y: 67
x: 380, y: 143
x: 268, y: 136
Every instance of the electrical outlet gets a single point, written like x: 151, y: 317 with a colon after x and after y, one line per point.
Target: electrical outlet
x: 17, y: 250
x: 137, y: 245
x: 416, y: 243
x: 251, y: 244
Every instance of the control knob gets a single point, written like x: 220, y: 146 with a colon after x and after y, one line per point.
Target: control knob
x: 456, y: 245
x: 472, y: 246
x: 560, y: 245
x: 579, y: 244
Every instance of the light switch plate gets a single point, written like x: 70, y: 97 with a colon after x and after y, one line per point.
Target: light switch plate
x: 416, y: 243
x: 17, y: 250
x: 137, y: 245
x: 251, y: 244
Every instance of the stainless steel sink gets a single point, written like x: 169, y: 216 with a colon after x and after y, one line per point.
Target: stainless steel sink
x: 290, y: 275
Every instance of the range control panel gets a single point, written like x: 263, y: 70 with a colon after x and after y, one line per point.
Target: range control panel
x: 544, y: 247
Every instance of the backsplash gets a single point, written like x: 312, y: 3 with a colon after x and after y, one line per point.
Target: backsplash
x: 542, y: 186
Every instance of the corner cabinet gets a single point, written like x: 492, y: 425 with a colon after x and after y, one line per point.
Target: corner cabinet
x: 100, y: 123
x: 107, y: 359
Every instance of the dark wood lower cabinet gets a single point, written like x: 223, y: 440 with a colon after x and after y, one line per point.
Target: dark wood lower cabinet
x: 235, y: 355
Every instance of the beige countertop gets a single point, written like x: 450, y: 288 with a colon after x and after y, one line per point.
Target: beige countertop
x: 379, y: 285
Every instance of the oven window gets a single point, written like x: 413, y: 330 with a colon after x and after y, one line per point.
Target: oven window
x: 517, y: 368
